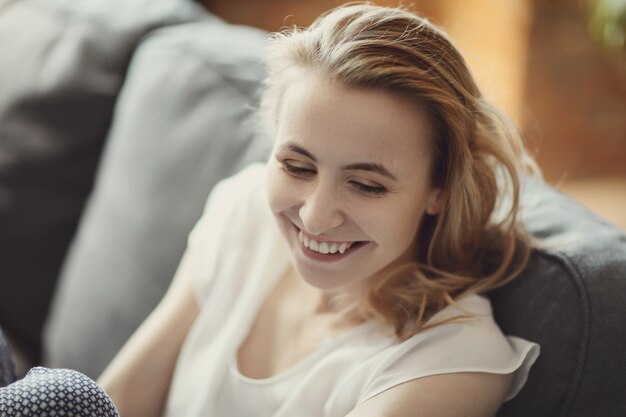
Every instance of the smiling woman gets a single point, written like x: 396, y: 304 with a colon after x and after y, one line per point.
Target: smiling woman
x: 342, y: 277
x: 384, y: 87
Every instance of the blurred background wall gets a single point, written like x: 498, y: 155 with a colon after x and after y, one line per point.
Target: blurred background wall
x: 557, y: 67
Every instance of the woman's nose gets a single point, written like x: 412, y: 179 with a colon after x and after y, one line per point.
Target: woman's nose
x: 321, y: 211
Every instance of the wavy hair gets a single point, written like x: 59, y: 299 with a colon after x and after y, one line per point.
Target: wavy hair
x: 476, y: 243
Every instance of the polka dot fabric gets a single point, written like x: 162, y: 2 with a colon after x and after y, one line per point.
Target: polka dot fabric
x: 55, y: 393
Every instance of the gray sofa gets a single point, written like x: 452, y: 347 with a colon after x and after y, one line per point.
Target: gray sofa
x: 570, y: 299
x: 180, y: 118
x: 62, y: 66
x: 184, y: 119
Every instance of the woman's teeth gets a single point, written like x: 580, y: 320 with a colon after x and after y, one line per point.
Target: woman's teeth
x: 323, y: 247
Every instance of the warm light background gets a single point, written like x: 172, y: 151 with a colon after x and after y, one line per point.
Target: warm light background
x: 535, y: 59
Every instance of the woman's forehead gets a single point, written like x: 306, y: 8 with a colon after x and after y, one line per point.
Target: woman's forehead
x: 327, y: 115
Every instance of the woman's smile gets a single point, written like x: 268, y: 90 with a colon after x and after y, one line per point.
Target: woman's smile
x: 324, y: 250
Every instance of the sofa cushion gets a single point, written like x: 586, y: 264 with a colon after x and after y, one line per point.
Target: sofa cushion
x: 185, y: 119
x: 7, y: 368
x: 570, y: 300
x: 62, y: 64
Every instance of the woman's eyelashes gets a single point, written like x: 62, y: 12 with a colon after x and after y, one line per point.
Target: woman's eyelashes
x: 301, y: 171
x: 297, y: 170
x: 375, y: 191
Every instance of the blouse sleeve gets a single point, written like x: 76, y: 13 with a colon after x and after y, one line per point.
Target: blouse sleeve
x: 475, y: 344
x: 208, y: 240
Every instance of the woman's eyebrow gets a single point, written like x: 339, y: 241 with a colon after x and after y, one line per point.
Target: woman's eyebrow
x: 298, y: 149
x: 359, y: 166
x: 371, y: 166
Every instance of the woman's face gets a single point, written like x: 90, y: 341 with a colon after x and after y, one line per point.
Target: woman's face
x: 348, y: 181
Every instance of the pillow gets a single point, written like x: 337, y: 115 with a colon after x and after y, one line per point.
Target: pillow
x: 62, y: 64
x: 185, y: 119
x: 7, y: 368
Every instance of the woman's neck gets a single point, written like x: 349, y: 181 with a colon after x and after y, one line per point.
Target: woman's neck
x: 320, y: 302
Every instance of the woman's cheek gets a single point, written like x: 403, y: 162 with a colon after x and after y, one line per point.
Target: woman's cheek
x: 280, y: 191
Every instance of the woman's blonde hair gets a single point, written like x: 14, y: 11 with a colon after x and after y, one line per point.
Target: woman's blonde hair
x: 475, y: 244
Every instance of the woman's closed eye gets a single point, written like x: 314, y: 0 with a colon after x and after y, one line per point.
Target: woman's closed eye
x: 371, y: 190
x: 301, y: 170
x: 297, y: 169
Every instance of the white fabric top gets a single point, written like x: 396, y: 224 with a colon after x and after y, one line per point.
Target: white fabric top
x: 240, y: 256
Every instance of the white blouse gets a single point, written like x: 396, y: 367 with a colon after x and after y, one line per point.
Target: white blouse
x: 240, y: 255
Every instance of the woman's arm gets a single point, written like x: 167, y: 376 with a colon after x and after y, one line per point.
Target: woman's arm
x: 470, y: 394
x: 139, y: 377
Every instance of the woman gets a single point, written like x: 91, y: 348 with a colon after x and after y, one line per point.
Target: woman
x: 341, y: 278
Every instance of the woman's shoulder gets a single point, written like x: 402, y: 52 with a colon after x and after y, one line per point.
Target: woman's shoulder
x: 233, y: 203
x: 464, y: 335
x: 470, y: 342
x: 236, y: 224
x: 249, y: 183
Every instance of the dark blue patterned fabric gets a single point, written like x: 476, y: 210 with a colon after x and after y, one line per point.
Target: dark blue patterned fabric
x: 55, y: 392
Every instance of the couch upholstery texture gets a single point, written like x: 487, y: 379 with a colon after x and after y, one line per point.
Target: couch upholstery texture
x: 7, y: 367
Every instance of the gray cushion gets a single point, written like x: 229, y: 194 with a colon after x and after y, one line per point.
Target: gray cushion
x: 62, y: 64
x: 571, y: 301
x: 7, y: 368
x: 184, y: 120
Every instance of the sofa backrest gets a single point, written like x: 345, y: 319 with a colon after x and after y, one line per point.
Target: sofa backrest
x: 570, y: 300
x: 62, y: 64
x: 185, y: 119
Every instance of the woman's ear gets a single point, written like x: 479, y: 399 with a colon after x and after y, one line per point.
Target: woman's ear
x: 436, y: 201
